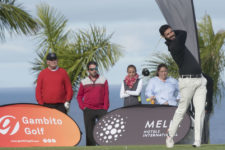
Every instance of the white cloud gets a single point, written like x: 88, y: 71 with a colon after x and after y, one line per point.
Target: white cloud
x: 13, y: 48
x: 131, y: 43
x: 16, y: 75
x: 134, y: 23
x: 100, y: 10
x: 132, y: 35
x: 17, y: 49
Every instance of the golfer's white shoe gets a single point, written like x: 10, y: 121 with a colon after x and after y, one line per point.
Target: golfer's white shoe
x: 196, y: 144
x: 169, y: 142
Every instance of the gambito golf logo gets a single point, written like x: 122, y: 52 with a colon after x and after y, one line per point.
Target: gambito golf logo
x: 9, y: 125
x: 111, y: 128
x: 34, y: 125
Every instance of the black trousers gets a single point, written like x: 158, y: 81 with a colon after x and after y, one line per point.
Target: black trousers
x: 90, y: 116
x: 58, y: 106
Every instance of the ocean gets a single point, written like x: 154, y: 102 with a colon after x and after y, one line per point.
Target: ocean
x: 27, y: 95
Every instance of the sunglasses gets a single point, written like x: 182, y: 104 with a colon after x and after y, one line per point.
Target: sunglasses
x: 92, y: 69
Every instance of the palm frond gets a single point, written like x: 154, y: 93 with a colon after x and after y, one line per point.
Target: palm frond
x: 15, y: 19
x: 93, y: 44
x: 159, y: 58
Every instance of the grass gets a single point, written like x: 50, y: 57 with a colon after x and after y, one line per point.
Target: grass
x: 142, y: 147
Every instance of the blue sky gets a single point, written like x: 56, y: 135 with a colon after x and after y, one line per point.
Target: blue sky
x: 134, y: 23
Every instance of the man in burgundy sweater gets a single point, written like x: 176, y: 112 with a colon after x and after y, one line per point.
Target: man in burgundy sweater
x: 93, y: 99
x: 54, y: 88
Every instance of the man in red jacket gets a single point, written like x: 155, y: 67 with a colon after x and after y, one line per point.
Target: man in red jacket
x: 93, y: 99
x: 54, y: 88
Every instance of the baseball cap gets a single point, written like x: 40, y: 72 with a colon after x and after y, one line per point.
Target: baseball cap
x: 51, y: 56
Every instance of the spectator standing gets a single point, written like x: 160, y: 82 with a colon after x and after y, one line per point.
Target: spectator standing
x: 131, y: 87
x: 54, y: 89
x: 93, y: 99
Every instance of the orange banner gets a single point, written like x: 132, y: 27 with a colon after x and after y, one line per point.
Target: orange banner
x: 26, y: 125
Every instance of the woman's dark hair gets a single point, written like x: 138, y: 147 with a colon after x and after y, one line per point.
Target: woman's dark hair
x: 163, y: 28
x: 131, y: 66
x: 91, y: 63
x: 159, y: 67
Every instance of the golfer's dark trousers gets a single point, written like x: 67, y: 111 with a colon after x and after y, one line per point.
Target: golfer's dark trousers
x: 90, y: 116
x: 58, y: 106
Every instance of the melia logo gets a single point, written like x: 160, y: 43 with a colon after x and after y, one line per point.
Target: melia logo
x: 138, y: 125
x: 8, y: 124
x: 111, y: 128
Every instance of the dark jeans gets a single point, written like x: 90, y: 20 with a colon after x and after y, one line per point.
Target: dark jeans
x: 58, y: 106
x: 90, y: 116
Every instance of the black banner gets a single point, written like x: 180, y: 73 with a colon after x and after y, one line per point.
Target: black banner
x: 138, y: 125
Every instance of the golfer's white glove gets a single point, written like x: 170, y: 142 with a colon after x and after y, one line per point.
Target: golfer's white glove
x: 67, y: 105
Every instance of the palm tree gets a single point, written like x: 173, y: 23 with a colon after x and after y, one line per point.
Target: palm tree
x: 51, y: 36
x: 93, y: 44
x: 14, y: 19
x: 211, y: 53
x: 74, y: 49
